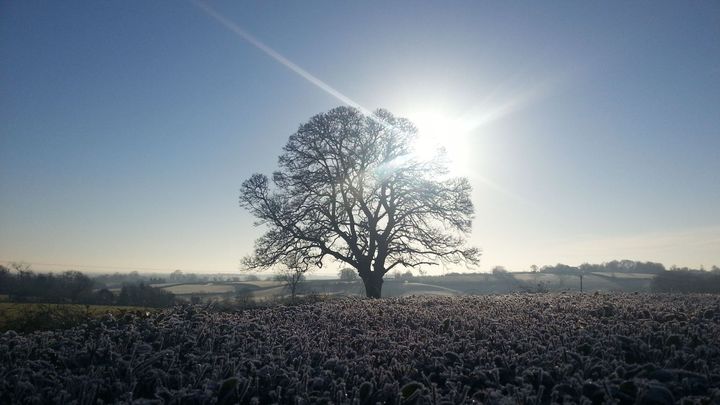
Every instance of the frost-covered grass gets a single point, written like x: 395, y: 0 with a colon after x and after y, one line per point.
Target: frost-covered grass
x: 534, y: 348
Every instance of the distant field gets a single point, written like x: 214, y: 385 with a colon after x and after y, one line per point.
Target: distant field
x: 251, y: 289
x: 460, y: 284
x: 259, y: 284
x: 403, y: 289
x: 199, y: 289
x: 536, y: 278
x: 268, y: 293
x: 637, y: 276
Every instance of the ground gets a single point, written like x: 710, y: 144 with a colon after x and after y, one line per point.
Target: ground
x: 527, y: 348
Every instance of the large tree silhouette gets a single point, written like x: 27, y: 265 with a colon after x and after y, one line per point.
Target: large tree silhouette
x: 351, y: 189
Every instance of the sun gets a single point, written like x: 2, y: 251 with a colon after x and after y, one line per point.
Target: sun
x: 438, y: 130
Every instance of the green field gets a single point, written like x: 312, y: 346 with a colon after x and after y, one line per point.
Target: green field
x: 253, y: 289
x: 200, y: 289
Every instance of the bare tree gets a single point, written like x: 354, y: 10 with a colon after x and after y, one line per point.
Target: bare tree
x: 292, y: 273
x: 351, y: 189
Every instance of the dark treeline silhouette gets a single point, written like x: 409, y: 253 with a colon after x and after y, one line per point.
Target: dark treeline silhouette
x: 688, y: 281
x: 144, y: 295
x: 118, y: 279
x: 676, y: 279
x: 615, y: 266
x: 21, y: 284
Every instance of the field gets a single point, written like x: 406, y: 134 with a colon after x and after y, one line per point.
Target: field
x: 518, y: 348
x: 261, y: 290
x: 461, y: 284
x: 201, y: 289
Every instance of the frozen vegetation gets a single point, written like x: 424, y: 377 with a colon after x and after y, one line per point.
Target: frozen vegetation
x: 531, y: 348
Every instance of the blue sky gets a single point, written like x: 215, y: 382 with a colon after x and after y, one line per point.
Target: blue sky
x: 590, y: 132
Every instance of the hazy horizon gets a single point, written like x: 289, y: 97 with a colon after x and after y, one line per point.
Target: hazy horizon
x: 589, y: 132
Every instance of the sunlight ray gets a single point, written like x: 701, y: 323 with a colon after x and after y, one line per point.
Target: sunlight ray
x: 502, y: 190
x: 235, y: 28
x: 492, y: 108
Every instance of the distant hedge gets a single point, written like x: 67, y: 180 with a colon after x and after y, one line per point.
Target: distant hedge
x: 687, y: 281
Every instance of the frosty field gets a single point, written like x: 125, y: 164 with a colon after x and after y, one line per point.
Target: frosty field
x: 531, y: 348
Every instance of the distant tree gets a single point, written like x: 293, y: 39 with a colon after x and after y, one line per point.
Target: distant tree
x: 5, y: 280
x: 586, y: 268
x: 499, y: 270
x: 176, y: 276
x: 629, y: 266
x: 292, y: 272
x: 534, y: 268
x: 48, y: 288
x: 104, y: 297
x: 252, y: 277
x: 560, y: 269
x: 347, y: 274
x: 76, y: 286
x: 351, y: 189
x: 20, y: 267
x: 408, y: 275
x: 23, y: 284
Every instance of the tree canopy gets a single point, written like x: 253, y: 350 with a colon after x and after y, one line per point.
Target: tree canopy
x: 351, y: 188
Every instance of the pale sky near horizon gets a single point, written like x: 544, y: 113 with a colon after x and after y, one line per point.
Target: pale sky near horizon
x: 589, y: 131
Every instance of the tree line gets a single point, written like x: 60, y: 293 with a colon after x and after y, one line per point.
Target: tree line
x: 685, y: 280
x: 21, y: 284
x: 614, y: 266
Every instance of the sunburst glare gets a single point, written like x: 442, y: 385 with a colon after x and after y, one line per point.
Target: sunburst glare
x: 442, y: 132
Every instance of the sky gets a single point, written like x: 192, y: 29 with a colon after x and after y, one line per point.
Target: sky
x: 589, y: 131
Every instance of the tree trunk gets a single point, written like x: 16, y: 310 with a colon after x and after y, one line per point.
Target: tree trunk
x: 373, y: 284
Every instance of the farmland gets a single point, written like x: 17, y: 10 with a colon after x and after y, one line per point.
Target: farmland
x: 527, y: 348
x: 451, y: 285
